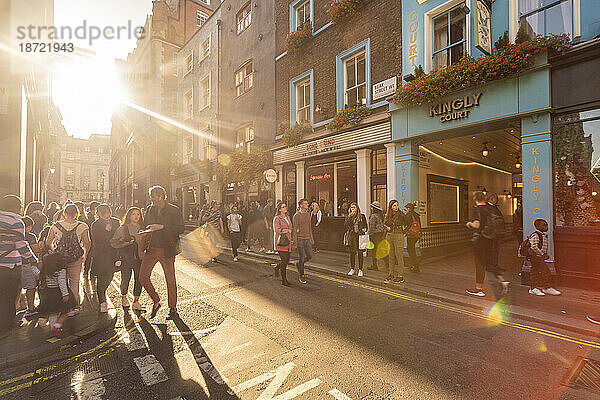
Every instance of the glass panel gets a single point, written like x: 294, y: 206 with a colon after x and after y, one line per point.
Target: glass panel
x: 529, y: 5
x: 457, y: 53
x: 351, y: 97
x: 346, y: 184
x: 350, y: 73
x: 360, y: 69
x: 380, y: 195
x: 577, y: 170
x: 307, y: 94
x: 444, y: 203
x: 533, y: 24
x: 319, y: 186
x: 457, y: 26
x: 440, y: 32
x: 559, y: 19
x: 289, y: 188
x: 362, y: 94
x: 440, y: 60
x: 379, y: 162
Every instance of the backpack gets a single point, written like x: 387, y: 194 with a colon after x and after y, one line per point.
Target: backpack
x: 415, y: 228
x: 494, y: 225
x: 525, y: 247
x: 68, y: 245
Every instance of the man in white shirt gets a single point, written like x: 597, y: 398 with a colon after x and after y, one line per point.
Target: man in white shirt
x: 234, y: 225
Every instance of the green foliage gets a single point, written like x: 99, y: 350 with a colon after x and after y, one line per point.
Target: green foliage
x: 241, y: 166
x: 343, y: 9
x: 419, y: 71
x: 293, y: 136
x: 522, y: 36
x: 502, y: 41
x: 469, y: 72
x: 295, y: 40
x: 349, y: 116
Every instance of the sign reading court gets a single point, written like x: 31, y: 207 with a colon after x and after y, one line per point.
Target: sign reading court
x: 457, y: 108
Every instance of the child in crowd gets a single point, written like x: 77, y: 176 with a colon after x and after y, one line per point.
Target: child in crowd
x: 540, y: 279
x: 56, y: 299
x: 29, y: 273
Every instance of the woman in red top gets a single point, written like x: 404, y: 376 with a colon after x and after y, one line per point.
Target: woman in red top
x: 282, y: 226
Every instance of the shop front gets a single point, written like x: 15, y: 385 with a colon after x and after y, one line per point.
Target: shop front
x: 335, y: 171
x: 191, y: 190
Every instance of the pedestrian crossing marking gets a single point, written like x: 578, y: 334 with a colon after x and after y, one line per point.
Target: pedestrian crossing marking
x: 88, y: 387
x: 150, y: 369
x: 338, y: 395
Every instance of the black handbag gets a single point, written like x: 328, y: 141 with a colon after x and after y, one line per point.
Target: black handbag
x: 283, y: 240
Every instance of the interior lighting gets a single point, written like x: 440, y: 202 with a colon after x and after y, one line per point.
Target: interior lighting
x: 463, y: 163
x: 518, y: 163
x: 485, y: 151
x: 594, y: 193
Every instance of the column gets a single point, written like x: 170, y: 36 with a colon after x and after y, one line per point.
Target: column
x: 390, y: 172
x: 407, y: 172
x: 363, y: 179
x: 278, y: 184
x: 536, y: 147
x: 299, y: 180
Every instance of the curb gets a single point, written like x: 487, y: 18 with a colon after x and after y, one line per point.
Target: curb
x: 447, y: 299
x: 47, y: 349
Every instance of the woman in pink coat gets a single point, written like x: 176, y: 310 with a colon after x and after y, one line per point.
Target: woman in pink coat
x: 282, y: 227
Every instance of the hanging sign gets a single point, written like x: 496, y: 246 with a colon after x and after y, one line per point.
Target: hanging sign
x: 270, y: 175
x: 483, y: 27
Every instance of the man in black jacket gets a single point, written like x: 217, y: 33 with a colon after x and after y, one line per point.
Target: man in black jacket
x: 164, y: 224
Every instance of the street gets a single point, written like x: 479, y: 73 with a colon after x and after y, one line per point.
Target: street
x: 243, y: 335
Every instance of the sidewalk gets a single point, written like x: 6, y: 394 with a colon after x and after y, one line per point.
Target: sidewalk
x: 446, y: 278
x: 33, y: 341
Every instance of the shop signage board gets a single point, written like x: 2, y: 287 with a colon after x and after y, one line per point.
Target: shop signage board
x: 384, y: 88
x: 457, y: 108
x: 189, y: 179
x: 270, y: 175
x: 483, y: 27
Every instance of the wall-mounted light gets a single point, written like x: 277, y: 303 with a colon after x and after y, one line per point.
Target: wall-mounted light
x: 485, y: 151
x: 518, y: 163
x: 482, y: 189
x: 507, y: 193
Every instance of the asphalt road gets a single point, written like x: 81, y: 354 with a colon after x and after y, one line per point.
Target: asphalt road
x: 243, y: 335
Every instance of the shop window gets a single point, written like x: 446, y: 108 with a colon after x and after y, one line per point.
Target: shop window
x: 201, y: 18
x: 447, y: 200
x: 244, y: 18
x: 379, y: 162
x: 449, y: 37
x: 300, y: 13
x: 355, y: 83
x: 544, y: 17
x: 289, y: 188
x: 379, y: 193
x: 245, y: 138
x: 576, y: 142
x: 346, y: 187
x: 319, y: 186
x: 244, y: 79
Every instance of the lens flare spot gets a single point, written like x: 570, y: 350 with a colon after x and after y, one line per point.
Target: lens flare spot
x: 383, y: 249
x: 497, y: 314
x: 224, y: 159
x: 370, y: 245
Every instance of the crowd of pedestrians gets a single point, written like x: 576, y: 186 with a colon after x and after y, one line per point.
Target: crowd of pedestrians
x: 49, y: 249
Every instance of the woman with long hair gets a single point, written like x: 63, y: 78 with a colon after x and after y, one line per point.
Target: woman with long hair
x: 130, y: 246
x: 394, y: 224
x: 377, y: 235
x: 356, y: 225
x: 103, y: 267
x: 282, y: 227
x: 315, y: 220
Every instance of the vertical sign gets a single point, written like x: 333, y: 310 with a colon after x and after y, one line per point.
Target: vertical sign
x: 412, y: 35
x: 483, y: 27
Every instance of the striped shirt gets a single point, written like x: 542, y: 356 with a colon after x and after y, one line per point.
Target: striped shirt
x: 534, y: 241
x: 22, y: 253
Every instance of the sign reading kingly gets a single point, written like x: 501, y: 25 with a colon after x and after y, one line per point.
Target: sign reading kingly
x: 455, y: 109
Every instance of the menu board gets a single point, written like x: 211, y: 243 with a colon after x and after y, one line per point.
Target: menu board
x: 443, y: 203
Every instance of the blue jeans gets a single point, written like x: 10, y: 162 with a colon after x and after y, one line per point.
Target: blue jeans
x: 305, y: 253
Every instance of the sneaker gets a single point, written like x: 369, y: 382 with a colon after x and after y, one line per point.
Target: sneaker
x: 103, y: 307
x: 172, y: 313
x: 505, y: 287
x: 125, y: 302
x: 302, y: 280
x: 57, y: 332
x: 235, y: 259
x: 388, y: 279
x: 360, y: 273
x: 262, y: 250
x: 537, y: 292
x: 351, y: 272
x: 398, y: 279
x: 270, y: 252
x: 476, y: 292
x: 29, y: 313
x: 552, y: 292
x: 136, y: 306
x: 593, y: 319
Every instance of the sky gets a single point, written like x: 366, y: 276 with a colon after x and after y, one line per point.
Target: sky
x: 87, y: 90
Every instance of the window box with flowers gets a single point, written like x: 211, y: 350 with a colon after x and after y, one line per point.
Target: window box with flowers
x: 508, y: 61
x: 295, y: 40
x: 341, y: 10
x: 350, y: 116
x: 293, y: 136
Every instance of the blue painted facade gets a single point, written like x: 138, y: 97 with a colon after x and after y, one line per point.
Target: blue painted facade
x: 523, y: 101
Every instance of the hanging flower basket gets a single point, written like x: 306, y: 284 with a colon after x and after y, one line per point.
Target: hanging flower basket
x: 295, y: 40
x: 349, y: 117
x: 501, y: 63
x: 341, y: 10
x: 293, y: 136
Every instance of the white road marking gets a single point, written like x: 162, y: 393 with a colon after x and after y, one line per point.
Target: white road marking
x: 195, y: 332
x: 88, y: 387
x: 150, y: 370
x: 278, y: 375
x: 338, y: 395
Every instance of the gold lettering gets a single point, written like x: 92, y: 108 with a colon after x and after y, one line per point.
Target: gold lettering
x: 537, y: 211
x: 534, y: 189
x: 466, y: 101
x: 536, y: 178
x: 446, y: 107
x: 457, y: 104
x: 412, y: 50
x: 536, y: 195
x: 476, y: 97
x: 413, y: 26
x: 535, y: 151
x: 536, y: 169
x: 412, y: 16
x: 412, y: 60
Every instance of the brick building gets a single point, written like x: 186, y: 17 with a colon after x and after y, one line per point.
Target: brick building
x: 335, y: 69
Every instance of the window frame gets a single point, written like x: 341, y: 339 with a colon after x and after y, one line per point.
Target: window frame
x: 189, y: 104
x: 247, y: 143
x: 246, y: 18
x: 428, y: 18
x: 205, y: 104
x: 294, y: 83
x: 294, y: 16
x: 544, y: 8
x: 201, y: 52
x: 249, y: 77
x: 188, y: 65
x: 450, y: 45
x: 365, y: 47
x: 201, y: 15
x: 355, y: 58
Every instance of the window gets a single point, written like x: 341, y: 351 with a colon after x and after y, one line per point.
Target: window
x: 205, y: 92
x: 201, y: 18
x: 189, y: 63
x: 189, y: 103
x: 86, y: 149
x: 205, y: 48
x: 210, y: 150
x: 70, y: 178
x: 86, y: 172
x: 379, y: 193
x: 449, y: 37
x: 355, y: 87
x: 303, y: 105
x: 85, y: 180
x: 100, y: 150
x: 244, y: 18
x: 302, y: 14
x: 100, y: 179
x: 346, y: 186
x: 188, y: 149
x: 543, y: 17
x: 379, y: 162
x: 244, y: 79
x: 207, y: 2
x: 245, y: 138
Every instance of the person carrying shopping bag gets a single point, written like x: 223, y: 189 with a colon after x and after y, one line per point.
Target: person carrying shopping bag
x: 356, y: 226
